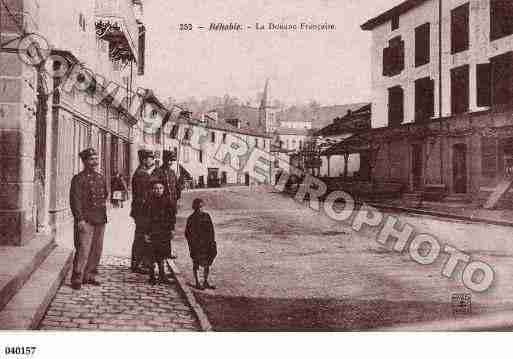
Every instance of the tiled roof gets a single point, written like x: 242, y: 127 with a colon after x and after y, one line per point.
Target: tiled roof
x: 389, y: 14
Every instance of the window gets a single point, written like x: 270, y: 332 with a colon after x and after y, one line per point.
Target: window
x: 142, y: 50
x: 256, y: 142
x: 174, y: 131
x: 484, y: 90
x: 459, y: 28
x: 393, y: 57
x: 501, y: 18
x: 424, y: 99
x: 395, y: 22
x: 422, y: 46
x: 224, y: 137
x: 213, y: 137
x: 82, y: 22
x: 187, y: 134
x: 200, y: 153
x: 395, y: 106
x: 459, y: 89
x: 501, y: 79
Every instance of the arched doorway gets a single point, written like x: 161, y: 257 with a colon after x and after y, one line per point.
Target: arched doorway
x: 459, y: 167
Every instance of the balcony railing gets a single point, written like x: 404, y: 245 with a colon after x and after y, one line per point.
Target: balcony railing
x: 116, y: 23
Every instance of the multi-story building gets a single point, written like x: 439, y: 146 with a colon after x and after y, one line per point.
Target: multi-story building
x: 67, y: 77
x: 442, y: 75
x: 73, y: 94
x: 197, y: 140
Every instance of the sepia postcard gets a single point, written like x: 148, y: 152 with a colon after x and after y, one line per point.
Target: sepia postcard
x: 263, y: 166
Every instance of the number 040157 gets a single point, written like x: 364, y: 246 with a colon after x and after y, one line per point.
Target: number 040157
x: 20, y: 350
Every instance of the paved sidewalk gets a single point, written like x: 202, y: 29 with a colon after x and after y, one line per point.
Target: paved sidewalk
x: 124, y: 301
x: 466, y: 212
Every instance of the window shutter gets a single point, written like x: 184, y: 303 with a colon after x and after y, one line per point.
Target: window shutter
x: 483, y: 85
x: 501, y: 79
x: 386, y: 61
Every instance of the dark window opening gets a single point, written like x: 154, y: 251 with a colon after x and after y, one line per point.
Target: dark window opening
x: 224, y: 137
x: 201, y: 156
x: 459, y: 89
x: 393, y: 57
x: 213, y: 137
x: 395, y: 22
x: 395, y: 106
x: 142, y: 50
x: 174, y: 131
x: 422, y: 46
x: 501, y: 18
x: 460, y: 28
x: 424, y: 99
x: 187, y: 134
x: 501, y: 79
x: 484, y: 90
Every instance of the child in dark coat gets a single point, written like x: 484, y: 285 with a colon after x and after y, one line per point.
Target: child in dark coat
x: 201, y: 240
x: 158, y: 229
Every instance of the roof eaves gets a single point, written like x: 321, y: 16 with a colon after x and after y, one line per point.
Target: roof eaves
x: 389, y: 14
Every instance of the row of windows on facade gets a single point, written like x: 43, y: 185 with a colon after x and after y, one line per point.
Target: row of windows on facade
x: 188, y: 135
x: 501, y: 25
x: 494, y: 87
x: 293, y: 144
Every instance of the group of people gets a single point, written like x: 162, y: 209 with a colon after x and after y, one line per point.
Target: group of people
x: 155, y: 195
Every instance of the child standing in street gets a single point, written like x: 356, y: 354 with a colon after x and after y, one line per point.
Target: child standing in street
x: 201, y: 240
x: 158, y: 230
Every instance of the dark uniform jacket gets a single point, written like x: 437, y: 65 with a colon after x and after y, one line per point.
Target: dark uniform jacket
x: 88, y: 196
x: 171, y: 185
x: 200, y: 235
x: 141, y: 189
x: 160, y: 216
x: 158, y: 224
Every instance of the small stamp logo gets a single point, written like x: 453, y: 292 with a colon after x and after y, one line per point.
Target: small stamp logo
x: 461, y: 303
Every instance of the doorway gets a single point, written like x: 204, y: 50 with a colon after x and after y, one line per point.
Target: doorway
x: 459, y: 167
x: 416, y: 162
x: 246, y: 179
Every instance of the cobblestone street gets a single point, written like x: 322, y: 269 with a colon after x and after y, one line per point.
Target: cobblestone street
x: 124, y: 301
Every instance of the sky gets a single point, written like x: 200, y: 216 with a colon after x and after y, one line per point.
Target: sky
x: 331, y: 67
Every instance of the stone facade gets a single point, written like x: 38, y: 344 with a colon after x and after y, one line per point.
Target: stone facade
x: 47, y: 119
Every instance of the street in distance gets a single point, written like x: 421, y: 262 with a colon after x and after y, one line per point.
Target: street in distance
x: 270, y: 26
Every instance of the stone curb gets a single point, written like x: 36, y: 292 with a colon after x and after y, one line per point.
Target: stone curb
x: 198, y: 311
x: 441, y: 214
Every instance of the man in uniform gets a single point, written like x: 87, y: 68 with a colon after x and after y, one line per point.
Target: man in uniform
x: 168, y: 177
x: 141, y: 189
x: 88, y: 196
